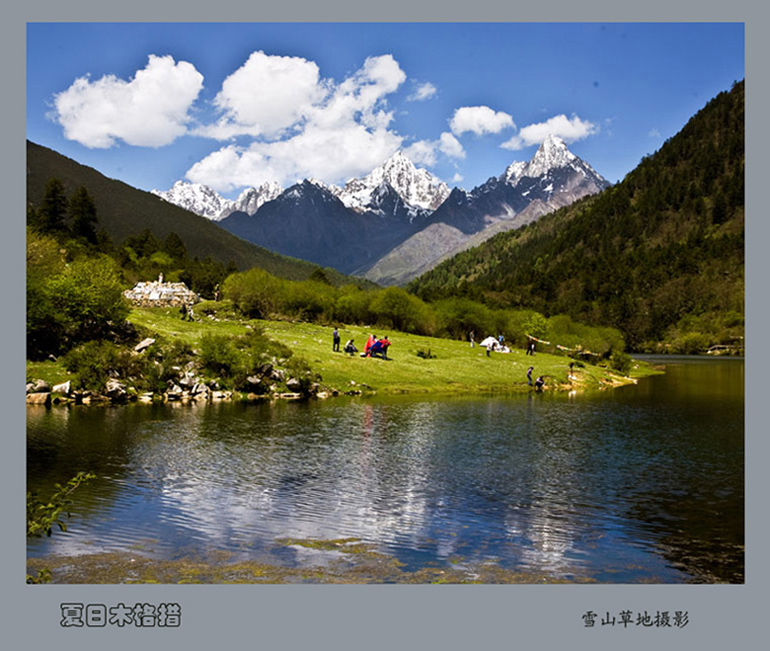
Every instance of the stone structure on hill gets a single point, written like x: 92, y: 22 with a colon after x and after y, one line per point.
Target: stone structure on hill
x: 156, y: 293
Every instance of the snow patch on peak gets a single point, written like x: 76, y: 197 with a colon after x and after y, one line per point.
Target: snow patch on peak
x: 197, y: 198
x: 202, y: 200
x: 418, y: 188
x: 552, y: 154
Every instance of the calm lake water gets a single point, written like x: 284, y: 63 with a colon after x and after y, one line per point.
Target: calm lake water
x: 640, y: 484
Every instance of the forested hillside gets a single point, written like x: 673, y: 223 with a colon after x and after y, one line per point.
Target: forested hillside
x: 659, y: 256
x: 124, y: 212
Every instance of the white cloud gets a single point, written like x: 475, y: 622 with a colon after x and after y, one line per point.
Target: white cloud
x: 568, y: 129
x: 266, y: 95
x: 451, y: 146
x: 479, y: 120
x: 422, y: 92
x: 425, y: 152
x: 335, y: 135
x: 654, y: 133
x: 151, y: 110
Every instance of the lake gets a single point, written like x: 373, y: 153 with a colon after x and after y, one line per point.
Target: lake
x: 642, y: 484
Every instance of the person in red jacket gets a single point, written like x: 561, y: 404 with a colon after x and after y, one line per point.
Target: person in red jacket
x: 385, y: 344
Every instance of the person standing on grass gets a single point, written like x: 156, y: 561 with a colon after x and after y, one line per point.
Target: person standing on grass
x: 335, y: 340
x: 472, y: 337
x: 529, y: 375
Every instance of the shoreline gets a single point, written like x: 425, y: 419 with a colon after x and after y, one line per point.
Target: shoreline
x: 451, y: 367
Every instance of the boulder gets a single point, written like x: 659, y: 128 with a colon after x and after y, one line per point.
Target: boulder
x: 294, y: 385
x: 144, y: 345
x: 174, y: 392
x: 40, y: 386
x: 188, y: 380
x: 115, y: 390
x: 200, y: 389
x: 63, y: 389
x: 39, y: 398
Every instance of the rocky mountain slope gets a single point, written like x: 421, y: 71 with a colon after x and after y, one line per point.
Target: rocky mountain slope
x: 397, y: 221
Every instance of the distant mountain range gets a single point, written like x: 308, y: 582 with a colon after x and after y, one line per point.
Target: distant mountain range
x: 398, y: 221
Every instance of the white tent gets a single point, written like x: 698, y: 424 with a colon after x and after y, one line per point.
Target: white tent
x: 488, y: 341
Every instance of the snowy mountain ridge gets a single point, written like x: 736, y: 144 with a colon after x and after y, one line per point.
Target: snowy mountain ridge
x: 418, y: 188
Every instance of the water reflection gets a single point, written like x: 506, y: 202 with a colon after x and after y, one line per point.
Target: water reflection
x: 645, y: 483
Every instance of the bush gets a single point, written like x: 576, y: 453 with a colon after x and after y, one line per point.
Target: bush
x: 94, y: 362
x: 69, y: 304
x: 621, y: 362
x: 234, y: 359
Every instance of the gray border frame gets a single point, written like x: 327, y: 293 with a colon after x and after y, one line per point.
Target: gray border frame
x: 381, y: 617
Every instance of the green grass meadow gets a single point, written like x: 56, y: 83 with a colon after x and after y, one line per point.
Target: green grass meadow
x: 454, y: 368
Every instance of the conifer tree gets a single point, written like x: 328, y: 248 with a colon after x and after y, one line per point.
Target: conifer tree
x: 83, y: 213
x: 53, y: 211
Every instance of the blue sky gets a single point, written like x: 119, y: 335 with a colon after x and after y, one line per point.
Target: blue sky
x: 237, y: 104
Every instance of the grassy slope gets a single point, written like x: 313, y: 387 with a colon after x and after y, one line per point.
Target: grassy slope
x: 457, y: 368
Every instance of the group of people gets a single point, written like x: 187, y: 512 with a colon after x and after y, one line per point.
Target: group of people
x: 374, y: 347
x: 539, y: 382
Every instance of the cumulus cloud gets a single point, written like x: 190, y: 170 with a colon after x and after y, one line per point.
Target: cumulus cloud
x: 425, y: 152
x: 422, y: 92
x: 451, y: 146
x: 335, y: 134
x: 480, y: 120
x: 568, y: 129
x: 265, y: 96
x: 150, y: 110
x: 334, y: 156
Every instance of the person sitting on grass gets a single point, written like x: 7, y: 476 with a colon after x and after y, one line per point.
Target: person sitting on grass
x: 350, y: 348
x: 376, y: 349
x: 385, y: 343
x: 369, y: 343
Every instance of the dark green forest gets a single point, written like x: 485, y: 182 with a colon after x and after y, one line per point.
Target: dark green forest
x: 659, y: 256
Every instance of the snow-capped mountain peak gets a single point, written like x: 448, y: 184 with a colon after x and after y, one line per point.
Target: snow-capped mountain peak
x: 197, y: 198
x: 206, y: 202
x: 552, y: 154
x: 418, y: 188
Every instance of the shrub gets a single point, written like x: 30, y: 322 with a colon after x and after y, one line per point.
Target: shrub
x: 94, y: 362
x: 621, y: 362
